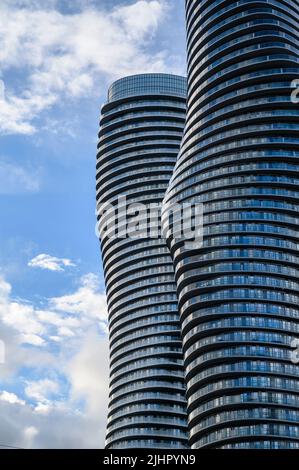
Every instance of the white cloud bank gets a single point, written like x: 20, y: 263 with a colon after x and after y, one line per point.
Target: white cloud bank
x: 64, y: 56
x: 65, y: 316
x: 61, y: 399
x: 50, y: 263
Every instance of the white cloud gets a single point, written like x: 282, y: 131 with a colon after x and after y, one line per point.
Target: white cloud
x: 65, y: 390
x: 16, y: 112
x: 31, y: 3
x: 11, y: 398
x: 41, y: 390
x: 53, y: 427
x: 57, y: 419
x: 15, y: 179
x: 86, y: 301
x: 50, y: 263
x: 84, y: 371
x: 66, y: 55
x: 17, y: 354
x: 141, y: 16
x: 66, y: 316
x: 21, y: 317
x: 5, y: 289
x: 30, y: 433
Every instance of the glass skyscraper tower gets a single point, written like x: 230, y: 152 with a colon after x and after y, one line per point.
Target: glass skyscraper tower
x: 140, y: 133
x: 238, y: 294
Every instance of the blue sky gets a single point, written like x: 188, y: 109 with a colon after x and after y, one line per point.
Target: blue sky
x: 56, y: 62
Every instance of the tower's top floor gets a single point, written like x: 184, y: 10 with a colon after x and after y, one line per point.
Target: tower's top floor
x: 148, y: 84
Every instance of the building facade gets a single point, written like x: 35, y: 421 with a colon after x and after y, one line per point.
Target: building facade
x: 239, y: 293
x: 140, y: 134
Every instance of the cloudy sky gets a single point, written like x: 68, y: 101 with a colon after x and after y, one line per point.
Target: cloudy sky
x: 57, y: 58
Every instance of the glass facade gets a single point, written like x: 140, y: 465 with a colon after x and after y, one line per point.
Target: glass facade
x: 140, y: 133
x: 238, y: 294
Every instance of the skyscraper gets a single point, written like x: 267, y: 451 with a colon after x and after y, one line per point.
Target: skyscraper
x: 140, y: 133
x: 238, y: 293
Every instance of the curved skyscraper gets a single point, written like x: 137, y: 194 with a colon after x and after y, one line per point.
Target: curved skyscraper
x: 238, y: 293
x: 141, y: 131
